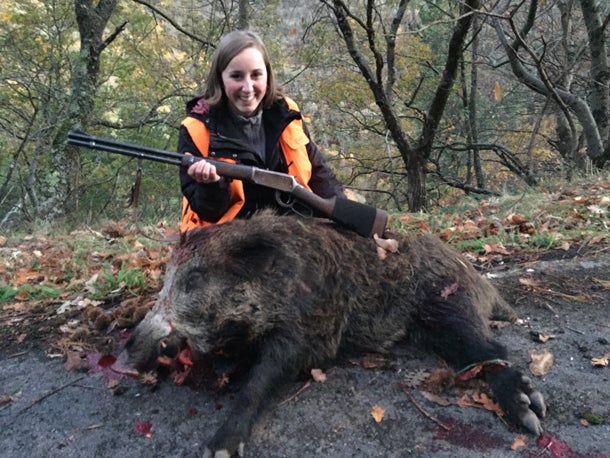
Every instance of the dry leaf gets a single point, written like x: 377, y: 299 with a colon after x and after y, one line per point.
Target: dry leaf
x: 378, y: 413
x: 318, y: 375
x: 497, y: 248
x: 373, y: 360
x: 465, y: 401
x: 76, y: 361
x: 597, y: 239
x: 435, y: 398
x: 438, y: 380
x: 541, y: 362
x: 447, y: 234
x: 519, y: 442
x: 516, y: 219
x: 488, y: 403
x: 498, y: 92
x: 601, y: 362
x: 543, y: 338
x: 529, y: 283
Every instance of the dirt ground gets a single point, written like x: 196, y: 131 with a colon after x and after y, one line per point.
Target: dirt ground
x: 564, y: 307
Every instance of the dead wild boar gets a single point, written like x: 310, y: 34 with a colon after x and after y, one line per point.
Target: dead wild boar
x: 293, y: 292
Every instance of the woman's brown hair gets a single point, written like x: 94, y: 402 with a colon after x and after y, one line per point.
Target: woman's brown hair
x: 229, y: 46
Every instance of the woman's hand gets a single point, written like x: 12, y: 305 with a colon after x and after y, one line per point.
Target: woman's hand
x: 203, y: 172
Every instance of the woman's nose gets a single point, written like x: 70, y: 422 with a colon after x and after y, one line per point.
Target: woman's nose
x: 248, y: 84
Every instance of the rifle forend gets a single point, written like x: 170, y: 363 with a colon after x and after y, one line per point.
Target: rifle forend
x: 362, y: 219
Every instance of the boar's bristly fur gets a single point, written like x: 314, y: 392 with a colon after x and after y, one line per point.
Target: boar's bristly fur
x: 293, y: 292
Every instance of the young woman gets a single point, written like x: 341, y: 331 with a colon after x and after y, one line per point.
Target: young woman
x: 244, y: 117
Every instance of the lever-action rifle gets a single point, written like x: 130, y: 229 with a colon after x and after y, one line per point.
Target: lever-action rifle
x: 363, y: 219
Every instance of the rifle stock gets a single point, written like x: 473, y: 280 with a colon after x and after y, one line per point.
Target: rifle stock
x: 362, y: 219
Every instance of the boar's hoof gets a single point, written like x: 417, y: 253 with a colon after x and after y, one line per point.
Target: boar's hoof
x: 223, y: 453
x: 218, y: 454
x: 522, y: 404
x: 537, y: 404
x: 531, y: 422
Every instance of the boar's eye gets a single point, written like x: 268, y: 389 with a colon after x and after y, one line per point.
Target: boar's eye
x: 194, y: 281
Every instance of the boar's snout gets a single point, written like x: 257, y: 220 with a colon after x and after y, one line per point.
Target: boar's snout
x: 149, y: 340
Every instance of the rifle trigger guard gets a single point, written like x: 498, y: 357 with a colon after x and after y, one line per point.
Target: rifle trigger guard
x: 294, y: 205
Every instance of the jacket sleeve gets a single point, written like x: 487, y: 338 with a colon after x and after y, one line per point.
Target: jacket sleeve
x: 209, y: 201
x: 323, y: 180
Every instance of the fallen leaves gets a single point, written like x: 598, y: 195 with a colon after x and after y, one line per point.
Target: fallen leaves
x: 66, y: 282
x: 76, y: 361
x: 541, y: 362
x: 481, y: 401
x: 519, y: 442
x: 544, y: 338
x: 435, y: 398
x: 318, y: 375
x: 378, y: 413
x: 602, y: 361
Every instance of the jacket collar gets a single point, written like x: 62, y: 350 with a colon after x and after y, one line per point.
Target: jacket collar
x: 217, y: 119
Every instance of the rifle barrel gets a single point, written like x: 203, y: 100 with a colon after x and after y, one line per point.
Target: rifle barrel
x: 361, y: 218
x: 126, y: 149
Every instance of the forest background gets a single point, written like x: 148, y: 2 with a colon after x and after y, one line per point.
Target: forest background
x: 416, y: 103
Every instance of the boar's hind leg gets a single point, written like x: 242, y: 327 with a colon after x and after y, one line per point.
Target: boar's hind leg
x: 276, y: 365
x: 460, y: 336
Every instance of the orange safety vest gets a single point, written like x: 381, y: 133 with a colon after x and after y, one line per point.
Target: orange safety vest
x: 292, y: 142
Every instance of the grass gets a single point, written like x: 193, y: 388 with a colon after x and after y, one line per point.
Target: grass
x: 111, y: 284
x: 533, y: 220
x: 32, y: 293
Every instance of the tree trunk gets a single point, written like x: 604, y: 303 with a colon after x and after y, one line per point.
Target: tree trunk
x: 415, y: 159
x: 92, y: 20
x: 472, y: 105
x: 599, y: 96
x: 243, y: 20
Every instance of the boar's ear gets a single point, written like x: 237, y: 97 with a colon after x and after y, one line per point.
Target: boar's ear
x: 252, y: 256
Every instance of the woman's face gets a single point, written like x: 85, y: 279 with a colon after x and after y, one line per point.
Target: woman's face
x: 245, y: 81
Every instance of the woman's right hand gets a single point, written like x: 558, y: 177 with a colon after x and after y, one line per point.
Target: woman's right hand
x: 203, y: 172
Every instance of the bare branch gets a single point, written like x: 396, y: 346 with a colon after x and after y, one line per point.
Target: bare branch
x: 174, y: 24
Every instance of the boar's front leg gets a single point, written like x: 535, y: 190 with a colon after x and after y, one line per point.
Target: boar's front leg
x: 277, y: 364
x: 457, y: 332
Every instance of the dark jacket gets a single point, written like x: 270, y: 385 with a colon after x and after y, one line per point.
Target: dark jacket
x: 211, y: 201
